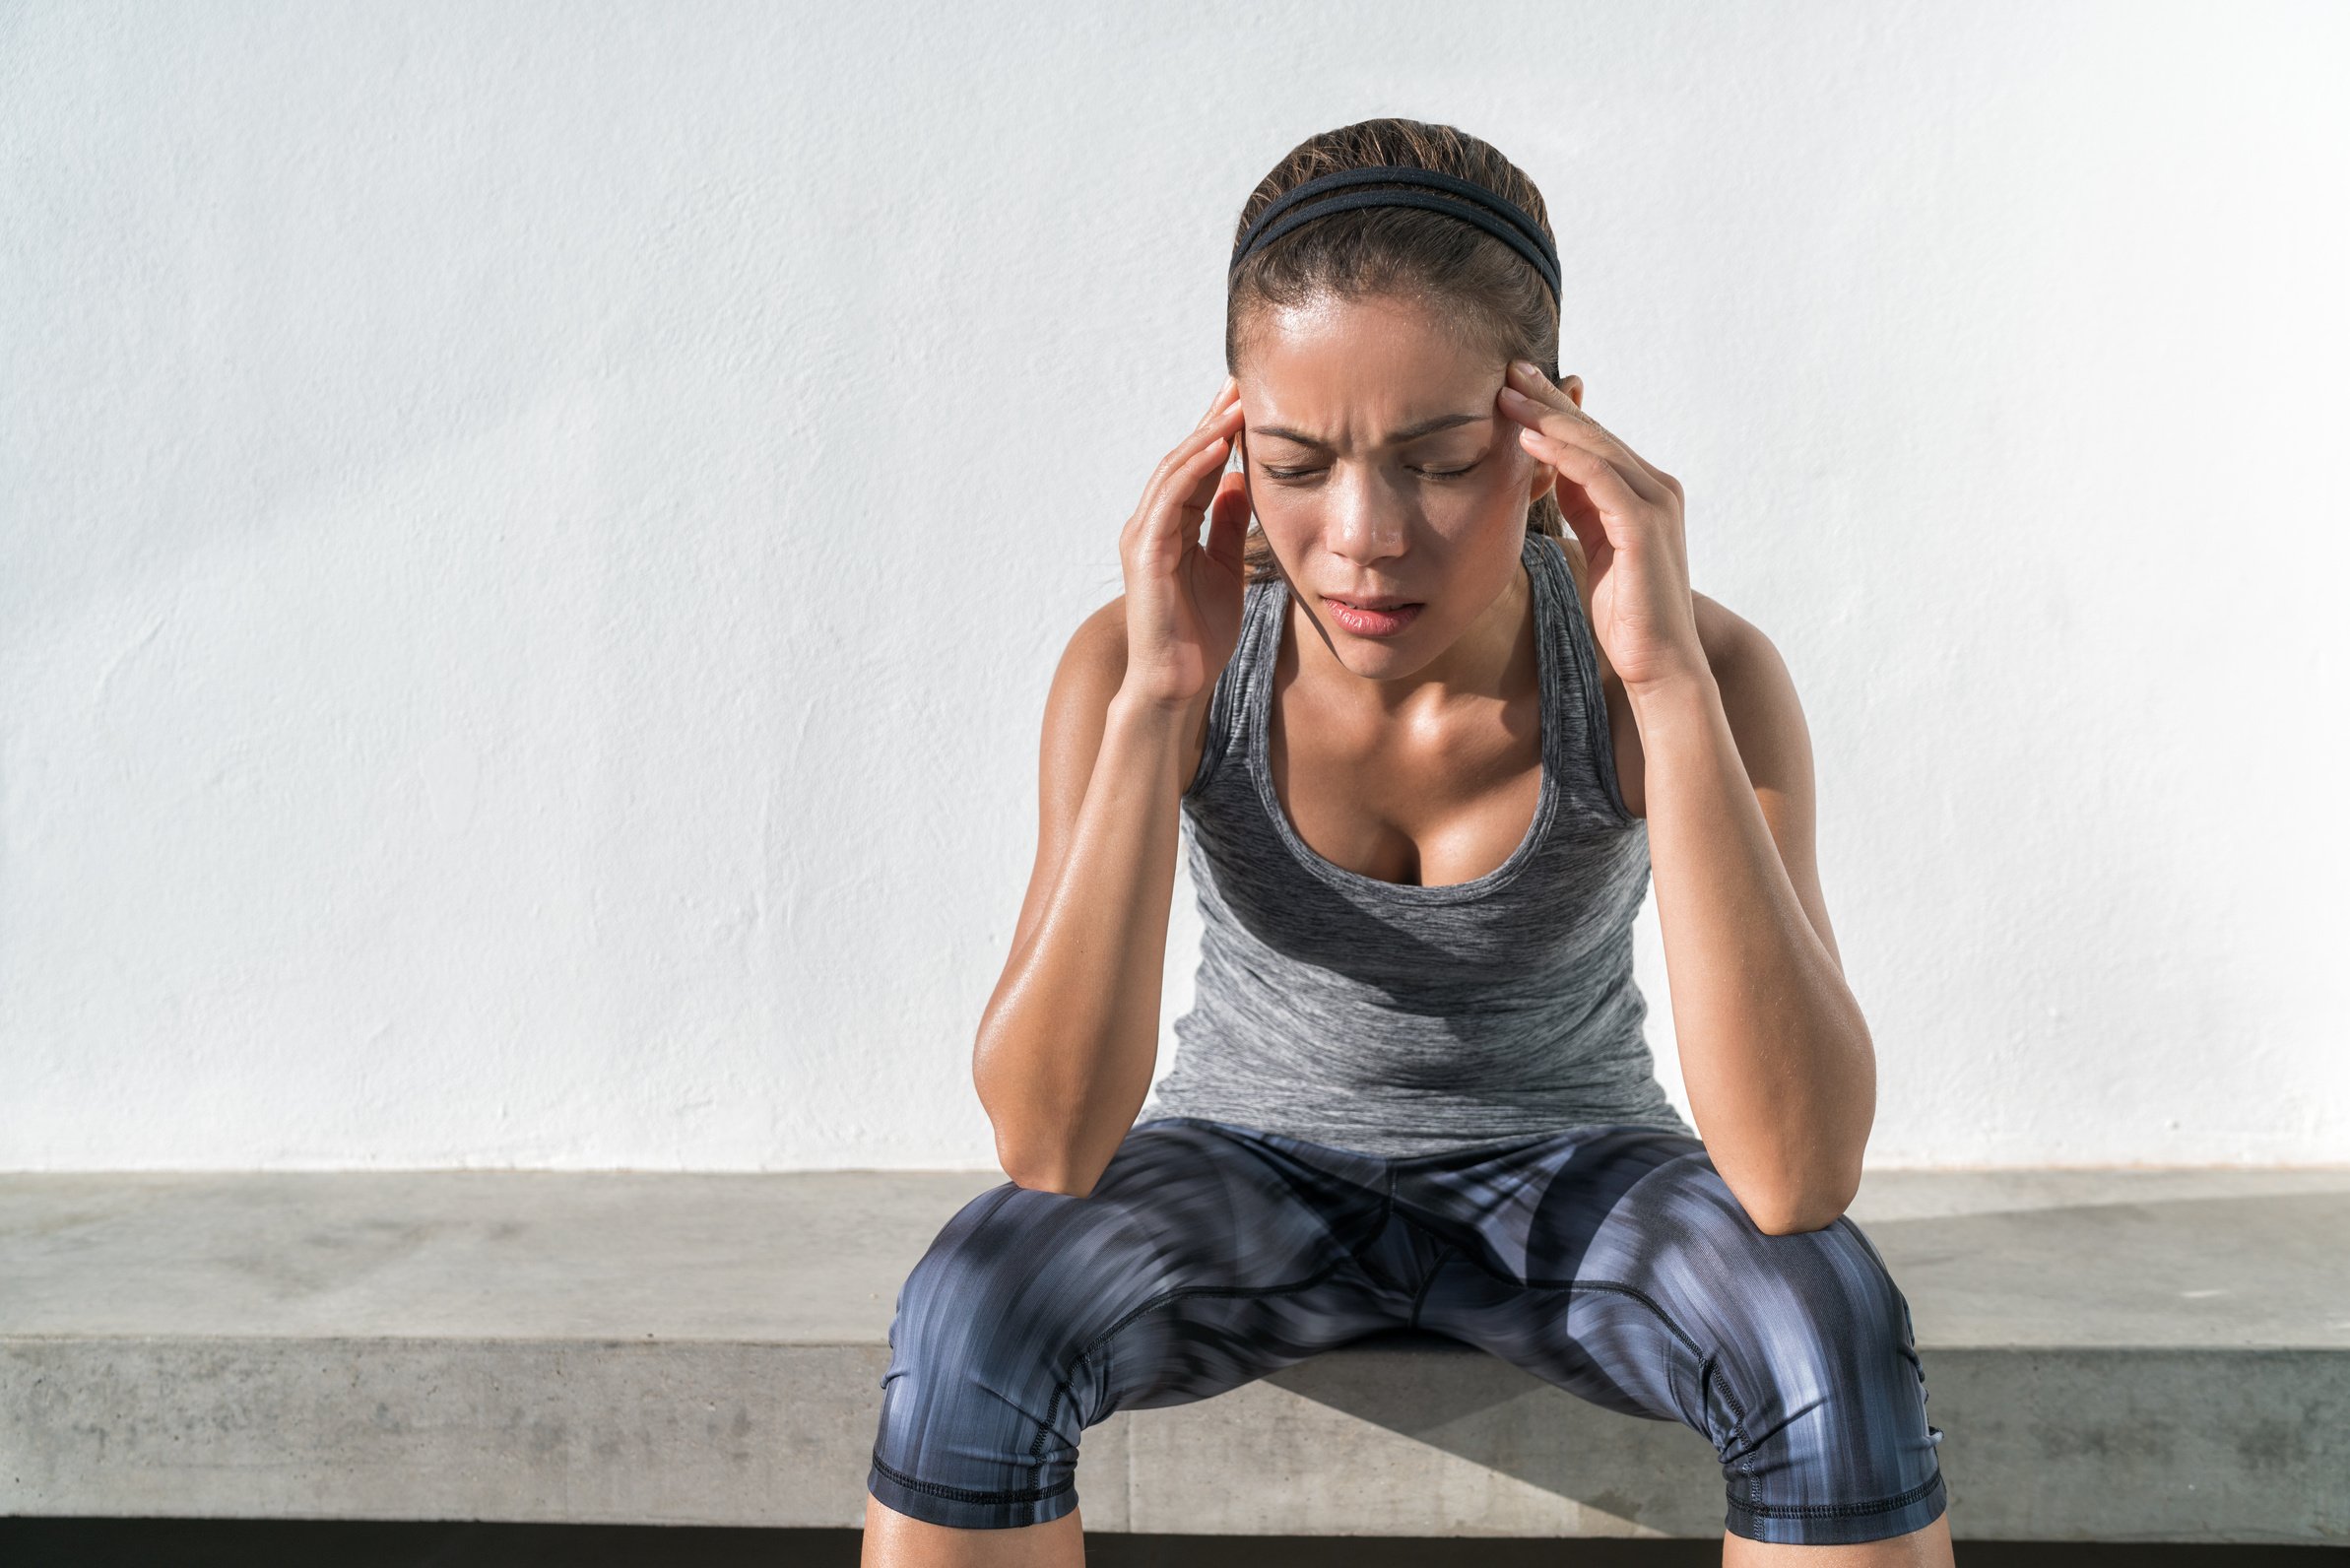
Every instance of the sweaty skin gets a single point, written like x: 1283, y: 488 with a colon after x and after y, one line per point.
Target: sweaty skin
x: 1448, y: 709
x: 1411, y: 758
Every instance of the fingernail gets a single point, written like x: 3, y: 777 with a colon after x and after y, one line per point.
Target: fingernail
x: 1526, y: 368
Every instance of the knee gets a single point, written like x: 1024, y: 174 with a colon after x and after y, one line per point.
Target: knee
x: 993, y: 1284
x: 985, y: 1400
x: 1820, y: 1311
x: 1816, y: 1305
x: 1818, y: 1394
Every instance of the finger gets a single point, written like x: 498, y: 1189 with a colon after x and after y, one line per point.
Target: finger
x: 1638, y: 478
x: 1605, y: 481
x: 1615, y: 446
x: 1574, y: 428
x: 1229, y: 385
x: 1527, y: 381
x: 1187, y: 476
x: 1533, y: 400
x: 1192, y: 497
x: 1228, y: 521
x: 1215, y: 428
x: 1527, y: 390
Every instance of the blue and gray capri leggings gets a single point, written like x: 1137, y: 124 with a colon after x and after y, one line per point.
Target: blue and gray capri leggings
x: 1609, y: 1260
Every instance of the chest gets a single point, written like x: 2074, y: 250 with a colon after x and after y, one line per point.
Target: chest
x: 1437, y: 809
x: 1442, y: 801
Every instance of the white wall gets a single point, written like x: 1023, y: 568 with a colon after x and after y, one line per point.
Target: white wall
x: 533, y: 536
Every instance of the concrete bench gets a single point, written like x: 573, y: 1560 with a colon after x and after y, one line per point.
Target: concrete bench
x: 2114, y: 1355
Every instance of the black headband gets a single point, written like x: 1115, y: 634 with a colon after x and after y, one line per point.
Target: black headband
x: 1465, y: 200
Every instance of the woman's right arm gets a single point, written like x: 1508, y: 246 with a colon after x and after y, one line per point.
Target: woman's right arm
x: 1069, y: 1042
x: 1070, y: 1039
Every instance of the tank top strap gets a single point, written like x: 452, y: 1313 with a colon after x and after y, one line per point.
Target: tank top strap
x: 1575, y: 709
x: 1235, y: 685
x: 1575, y: 723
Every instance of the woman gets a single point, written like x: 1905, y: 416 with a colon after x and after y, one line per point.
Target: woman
x: 1425, y: 728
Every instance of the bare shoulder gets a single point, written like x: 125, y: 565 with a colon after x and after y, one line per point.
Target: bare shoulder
x: 1076, y: 708
x: 1099, y: 642
x: 1077, y: 711
x: 1725, y: 636
x: 1757, y: 693
x: 1721, y: 631
x: 1774, y: 741
x: 1076, y: 715
x: 1094, y: 664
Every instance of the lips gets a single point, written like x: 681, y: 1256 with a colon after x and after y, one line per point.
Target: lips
x: 1371, y: 604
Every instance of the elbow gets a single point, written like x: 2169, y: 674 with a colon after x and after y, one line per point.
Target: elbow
x: 1819, y: 1181
x: 1795, y: 1222
x: 1048, y: 1176
x: 1041, y: 1165
x: 1062, y: 1185
x: 1022, y: 1151
x: 1785, y: 1217
x: 1042, y: 1148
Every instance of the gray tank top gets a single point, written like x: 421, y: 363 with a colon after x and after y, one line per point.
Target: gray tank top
x: 1402, y: 1020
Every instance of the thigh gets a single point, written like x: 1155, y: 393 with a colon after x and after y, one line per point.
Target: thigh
x: 1205, y: 1257
x: 1625, y: 1269
x: 1237, y: 1254
x: 1545, y: 1263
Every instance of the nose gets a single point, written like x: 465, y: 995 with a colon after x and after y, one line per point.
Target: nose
x: 1367, y: 521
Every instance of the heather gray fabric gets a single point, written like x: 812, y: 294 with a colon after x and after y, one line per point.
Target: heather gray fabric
x: 1397, y: 1019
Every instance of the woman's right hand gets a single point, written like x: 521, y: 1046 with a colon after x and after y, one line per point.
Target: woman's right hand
x: 1183, y: 594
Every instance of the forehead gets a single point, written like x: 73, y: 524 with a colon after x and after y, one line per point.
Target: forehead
x: 1352, y: 371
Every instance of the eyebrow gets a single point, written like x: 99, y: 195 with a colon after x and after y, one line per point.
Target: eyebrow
x: 1410, y: 432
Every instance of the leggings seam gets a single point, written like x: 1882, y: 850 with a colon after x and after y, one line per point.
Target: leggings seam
x: 1738, y: 1421
x: 967, y: 1494
x: 1710, y: 1367
x: 1429, y: 1280
x: 1062, y: 1389
x: 1883, y: 1505
x: 1710, y: 1376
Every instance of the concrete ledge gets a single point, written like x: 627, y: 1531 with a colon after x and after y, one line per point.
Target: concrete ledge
x: 2155, y: 1356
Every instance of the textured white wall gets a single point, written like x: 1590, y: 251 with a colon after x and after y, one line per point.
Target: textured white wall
x: 533, y: 536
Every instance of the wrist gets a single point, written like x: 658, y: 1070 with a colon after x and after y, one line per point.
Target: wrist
x: 1154, y: 732
x: 1688, y: 690
x: 1141, y: 705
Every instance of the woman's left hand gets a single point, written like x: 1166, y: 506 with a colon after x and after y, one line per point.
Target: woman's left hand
x: 1627, y: 513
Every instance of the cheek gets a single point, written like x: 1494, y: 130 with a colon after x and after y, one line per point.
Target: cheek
x: 1519, y: 461
x: 1509, y: 478
x: 1270, y: 500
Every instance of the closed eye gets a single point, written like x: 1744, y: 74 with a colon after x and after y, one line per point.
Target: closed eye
x: 1425, y: 473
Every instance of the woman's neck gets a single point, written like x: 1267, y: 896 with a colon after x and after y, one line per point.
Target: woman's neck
x: 1493, y: 660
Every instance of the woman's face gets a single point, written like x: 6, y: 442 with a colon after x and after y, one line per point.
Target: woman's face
x: 1378, y: 468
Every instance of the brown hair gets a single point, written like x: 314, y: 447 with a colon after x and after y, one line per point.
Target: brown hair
x: 1495, y: 301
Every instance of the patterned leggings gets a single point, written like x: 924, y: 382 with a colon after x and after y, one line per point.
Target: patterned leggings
x: 1609, y: 1260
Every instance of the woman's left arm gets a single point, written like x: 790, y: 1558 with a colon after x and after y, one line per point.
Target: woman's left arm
x: 1776, y: 1057
x: 1778, y: 1060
